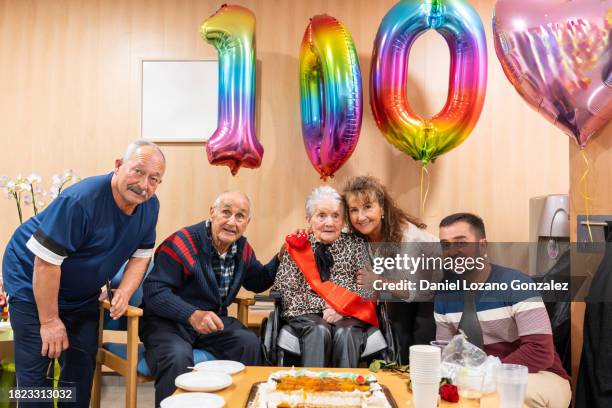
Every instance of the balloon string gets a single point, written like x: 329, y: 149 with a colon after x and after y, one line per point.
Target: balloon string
x: 585, y: 193
x: 423, y: 193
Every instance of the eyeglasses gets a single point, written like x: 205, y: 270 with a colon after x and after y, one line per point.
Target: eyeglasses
x: 49, y: 375
x: 152, y: 180
x: 109, y: 292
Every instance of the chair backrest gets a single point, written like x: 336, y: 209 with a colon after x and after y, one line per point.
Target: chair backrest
x: 135, y: 300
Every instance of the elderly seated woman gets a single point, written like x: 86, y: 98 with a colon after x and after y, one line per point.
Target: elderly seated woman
x: 317, y: 282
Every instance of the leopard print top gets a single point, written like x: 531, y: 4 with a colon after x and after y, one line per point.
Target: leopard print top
x: 350, y: 253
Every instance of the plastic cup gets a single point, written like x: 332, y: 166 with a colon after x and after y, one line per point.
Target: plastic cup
x: 439, y: 343
x: 511, y: 385
x: 470, y: 384
x: 425, y: 395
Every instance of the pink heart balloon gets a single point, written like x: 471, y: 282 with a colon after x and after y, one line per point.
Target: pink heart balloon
x: 558, y: 56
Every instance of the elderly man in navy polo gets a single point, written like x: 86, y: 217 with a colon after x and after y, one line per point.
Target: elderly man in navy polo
x: 55, y: 264
x: 198, y: 272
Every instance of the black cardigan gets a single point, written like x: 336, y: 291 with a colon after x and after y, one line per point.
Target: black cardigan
x: 594, y: 388
x: 183, y: 281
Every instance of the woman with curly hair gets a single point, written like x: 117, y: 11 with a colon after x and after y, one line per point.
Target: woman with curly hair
x: 374, y: 215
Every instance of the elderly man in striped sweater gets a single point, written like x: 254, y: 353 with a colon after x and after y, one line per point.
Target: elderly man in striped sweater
x: 198, y: 272
x: 512, y: 325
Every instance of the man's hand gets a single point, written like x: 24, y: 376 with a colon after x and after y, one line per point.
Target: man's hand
x: 119, y: 304
x: 205, y: 322
x: 331, y: 316
x: 54, y: 338
x: 366, y: 278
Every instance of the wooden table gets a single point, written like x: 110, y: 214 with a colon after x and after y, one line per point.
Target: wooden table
x: 236, y: 394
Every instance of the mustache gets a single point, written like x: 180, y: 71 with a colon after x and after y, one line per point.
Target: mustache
x: 135, y: 189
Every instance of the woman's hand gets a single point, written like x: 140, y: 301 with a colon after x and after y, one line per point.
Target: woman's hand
x: 365, y: 278
x: 331, y: 316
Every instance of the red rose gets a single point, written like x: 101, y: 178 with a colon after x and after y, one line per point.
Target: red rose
x: 449, y: 393
x: 297, y: 240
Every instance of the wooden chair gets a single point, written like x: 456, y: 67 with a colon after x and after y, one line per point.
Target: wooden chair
x: 128, y: 359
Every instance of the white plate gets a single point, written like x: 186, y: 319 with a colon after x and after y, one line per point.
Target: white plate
x: 193, y: 400
x: 221, y: 366
x: 203, y: 381
x: 5, y: 326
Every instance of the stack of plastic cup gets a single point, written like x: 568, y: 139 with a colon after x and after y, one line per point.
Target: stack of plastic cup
x: 425, y: 375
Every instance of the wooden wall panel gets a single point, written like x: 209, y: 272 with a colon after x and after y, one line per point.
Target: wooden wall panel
x: 70, y: 80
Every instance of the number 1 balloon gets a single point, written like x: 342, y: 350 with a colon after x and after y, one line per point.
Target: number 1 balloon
x: 231, y: 30
x: 424, y: 139
x: 558, y: 56
x: 331, y: 94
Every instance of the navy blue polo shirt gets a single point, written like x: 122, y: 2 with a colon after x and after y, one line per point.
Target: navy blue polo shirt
x: 85, y: 232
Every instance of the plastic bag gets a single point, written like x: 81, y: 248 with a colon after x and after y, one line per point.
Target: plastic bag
x: 460, y: 354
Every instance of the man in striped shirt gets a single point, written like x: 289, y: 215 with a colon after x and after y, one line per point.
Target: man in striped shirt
x: 512, y: 325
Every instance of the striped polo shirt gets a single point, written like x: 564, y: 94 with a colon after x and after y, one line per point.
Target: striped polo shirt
x: 515, y: 325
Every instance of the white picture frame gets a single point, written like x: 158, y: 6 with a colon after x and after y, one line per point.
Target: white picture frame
x: 179, y: 100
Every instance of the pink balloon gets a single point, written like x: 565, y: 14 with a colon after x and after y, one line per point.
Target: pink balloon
x: 558, y: 56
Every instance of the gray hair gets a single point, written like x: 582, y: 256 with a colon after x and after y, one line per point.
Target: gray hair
x: 134, y: 146
x: 219, y: 197
x: 317, y: 195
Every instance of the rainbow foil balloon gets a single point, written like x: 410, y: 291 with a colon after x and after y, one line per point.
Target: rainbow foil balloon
x: 331, y: 94
x: 231, y: 30
x: 459, y: 24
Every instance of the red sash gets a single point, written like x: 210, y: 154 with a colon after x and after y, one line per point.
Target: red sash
x: 341, y: 299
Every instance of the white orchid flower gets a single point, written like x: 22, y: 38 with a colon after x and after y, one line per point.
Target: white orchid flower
x: 27, y: 198
x: 54, y: 191
x: 34, y: 178
x: 23, y: 187
x: 4, y: 180
x: 11, y: 186
x: 69, y: 175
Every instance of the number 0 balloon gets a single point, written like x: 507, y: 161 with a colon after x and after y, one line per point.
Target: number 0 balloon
x: 459, y: 24
x: 231, y: 30
x: 331, y: 94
